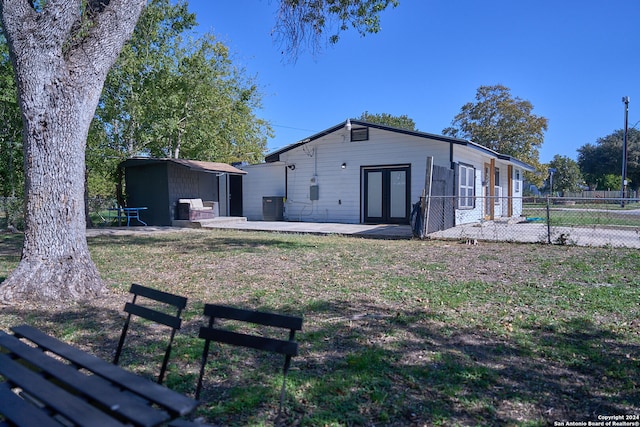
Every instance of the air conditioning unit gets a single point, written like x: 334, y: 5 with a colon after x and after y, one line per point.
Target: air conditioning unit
x: 273, y: 208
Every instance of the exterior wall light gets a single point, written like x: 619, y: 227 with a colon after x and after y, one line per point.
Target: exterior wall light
x: 343, y: 166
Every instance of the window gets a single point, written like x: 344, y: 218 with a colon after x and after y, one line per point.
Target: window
x: 360, y: 134
x: 517, y: 189
x: 466, y: 186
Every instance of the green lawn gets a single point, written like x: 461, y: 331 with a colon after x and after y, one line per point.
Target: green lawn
x: 578, y: 215
x: 395, y: 333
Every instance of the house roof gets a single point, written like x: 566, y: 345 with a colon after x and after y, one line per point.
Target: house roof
x: 210, y: 167
x: 275, y: 156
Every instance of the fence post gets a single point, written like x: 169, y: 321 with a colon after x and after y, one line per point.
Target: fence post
x: 548, y: 220
x: 428, y: 177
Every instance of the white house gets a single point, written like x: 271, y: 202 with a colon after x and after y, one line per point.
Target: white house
x: 359, y: 172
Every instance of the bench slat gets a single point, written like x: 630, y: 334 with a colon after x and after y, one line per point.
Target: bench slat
x: 257, y: 317
x: 259, y: 343
x: 94, y: 387
x: 171, y: 299
x: 60, y: 401
x: 21, y: 413
x: 153, y: 315
x: 172, y: 401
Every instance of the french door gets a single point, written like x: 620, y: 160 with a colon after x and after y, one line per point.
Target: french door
x: 386, y: 194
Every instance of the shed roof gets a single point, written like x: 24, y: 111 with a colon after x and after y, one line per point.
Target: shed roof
x: 210, y: 167
x: 275, y: 156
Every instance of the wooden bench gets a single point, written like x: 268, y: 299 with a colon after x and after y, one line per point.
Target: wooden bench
x: 135, y: 308
x: 288, y: 348
x: 95, y: 387
x: 174, y: 403
x: 20, y: 412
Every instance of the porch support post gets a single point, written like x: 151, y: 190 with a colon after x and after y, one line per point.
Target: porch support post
x: 492, y: 189
x: 510, y: 191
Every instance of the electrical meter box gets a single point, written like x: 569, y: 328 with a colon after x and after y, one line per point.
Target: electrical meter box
x: 314, y: 192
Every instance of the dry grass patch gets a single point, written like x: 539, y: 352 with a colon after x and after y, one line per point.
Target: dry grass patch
x: 396, y: 332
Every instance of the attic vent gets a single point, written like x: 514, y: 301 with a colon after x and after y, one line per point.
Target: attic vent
x: 360, y: 134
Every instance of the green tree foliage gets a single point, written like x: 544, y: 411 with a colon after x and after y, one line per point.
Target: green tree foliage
x: 168, y: 96
x: 567, y: 176
x: 305, y: 24
x: 604, y: 158
x: 504, y: 124
x: 609, y: 182
x: 11, y: 165
x: 401, y: 122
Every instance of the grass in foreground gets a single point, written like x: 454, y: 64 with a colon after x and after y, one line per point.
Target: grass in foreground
x: 396, y: 332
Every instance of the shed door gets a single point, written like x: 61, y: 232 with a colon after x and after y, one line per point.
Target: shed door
x: 386, y: 195
x: 235, y: 195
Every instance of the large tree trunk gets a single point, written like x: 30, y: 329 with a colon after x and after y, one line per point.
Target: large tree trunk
x: 61, y: 63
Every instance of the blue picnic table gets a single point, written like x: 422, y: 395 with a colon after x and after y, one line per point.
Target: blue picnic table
x: 128, y: 213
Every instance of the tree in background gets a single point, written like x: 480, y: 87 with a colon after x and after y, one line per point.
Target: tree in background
x: 61, y: 52
x: 400, y: 122
x: 567, y: 176
x: 504, y: 124
x: 171, y: 97
x: 604, y: 158
x: 10, y: 128
x: 609, y: 182
x: 11, y: 163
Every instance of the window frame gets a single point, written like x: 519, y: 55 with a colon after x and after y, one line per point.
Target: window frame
x: 463, y: 198
x: 364, y: 131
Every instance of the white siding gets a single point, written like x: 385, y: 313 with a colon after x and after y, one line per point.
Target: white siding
x: 475, y: 159
x: 478, y: 160
x: 340, y: 190
x: 262, y: 180
x: 340, y: 198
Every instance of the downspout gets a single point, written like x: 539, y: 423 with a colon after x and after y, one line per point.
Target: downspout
x: 492, y: 190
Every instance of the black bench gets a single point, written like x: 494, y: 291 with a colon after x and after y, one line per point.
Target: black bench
x: 288, y: 348
x: 174, y: 403
x: 48, y: 382
x: 20, y: 412
x: 95, y: 387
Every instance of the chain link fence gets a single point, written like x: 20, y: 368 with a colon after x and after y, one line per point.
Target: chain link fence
x: 11, y: 213
x: 598, y: 221
x: 101, y: 212
x: 578, y: 221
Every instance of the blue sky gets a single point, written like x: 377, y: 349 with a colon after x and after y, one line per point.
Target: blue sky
x: 573, y: 60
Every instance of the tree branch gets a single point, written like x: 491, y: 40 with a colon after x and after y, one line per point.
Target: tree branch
x: 14, y: 14
x: 110, y: 25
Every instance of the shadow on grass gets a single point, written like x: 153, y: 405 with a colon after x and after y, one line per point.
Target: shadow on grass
x: 365, y: 364
x: 198, y: 243
x: 97, y: 330
x: 10, y: 248
x: 10, y: 243
x: 371, y: 366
